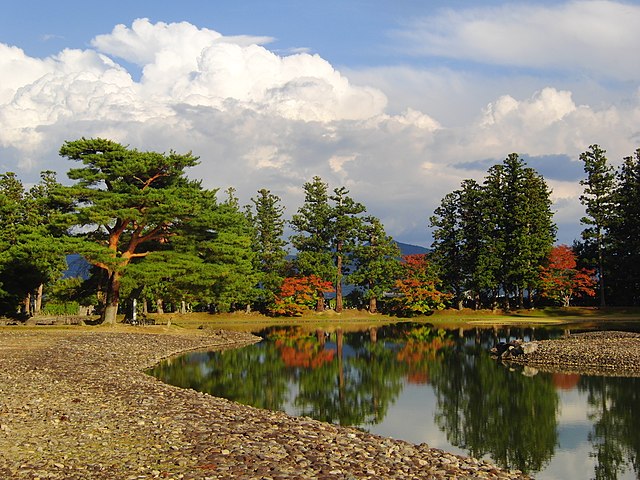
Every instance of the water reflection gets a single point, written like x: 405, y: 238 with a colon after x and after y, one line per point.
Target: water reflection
x: 553, y: 426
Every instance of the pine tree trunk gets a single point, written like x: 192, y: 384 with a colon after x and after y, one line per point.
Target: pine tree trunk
x: 26, y: 305
x: 113, y: 298
x: 183, y: 307
x: 339, y: 283
x: 159, y: 306
x: 38, y: 304
x: 373, y: 305
x: 145, y: 306
x: 320, y: 303
x: 601, y: 270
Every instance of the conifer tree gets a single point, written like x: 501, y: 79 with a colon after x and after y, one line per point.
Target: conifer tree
x: 266, y: 216
x: 376, y: 262
x: 126, y: 199
x: 598, y: 201
x: 624, y: 234
x: 327, y: 228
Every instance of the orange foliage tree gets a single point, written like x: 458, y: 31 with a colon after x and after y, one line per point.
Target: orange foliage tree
x: 298, y: 294
x: 417, y: 292
x: 561, y: 280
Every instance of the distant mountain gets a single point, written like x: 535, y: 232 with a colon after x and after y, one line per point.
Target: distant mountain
x: 408, y: 249
x: 77, y: 267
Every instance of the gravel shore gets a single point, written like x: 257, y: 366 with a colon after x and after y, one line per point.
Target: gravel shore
x: 606, y: 353
x: 75, y: 404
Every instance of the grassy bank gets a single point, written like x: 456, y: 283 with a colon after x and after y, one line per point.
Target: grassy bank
x: 357, y: 319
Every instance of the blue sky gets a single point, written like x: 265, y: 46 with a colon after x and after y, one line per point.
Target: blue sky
x: 398, y: 101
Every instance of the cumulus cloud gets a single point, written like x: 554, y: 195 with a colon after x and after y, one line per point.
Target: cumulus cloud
x: 258, y: 119
x: 595, y: 36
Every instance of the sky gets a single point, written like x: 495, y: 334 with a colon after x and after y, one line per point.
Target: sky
x: 396, y: 101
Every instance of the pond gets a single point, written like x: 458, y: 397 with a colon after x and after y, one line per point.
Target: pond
x: 440, y: 387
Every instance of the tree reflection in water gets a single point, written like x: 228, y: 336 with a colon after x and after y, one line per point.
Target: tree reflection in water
x: 354, y: 378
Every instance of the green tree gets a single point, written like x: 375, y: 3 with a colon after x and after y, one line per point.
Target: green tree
x: 266, y: 216
x: 124, y: 200
x: 491, y: 239
x: 313, y: 236
x: 376, y: 260
x: 448, y: 249
x: 32, y: 247
x: 347, y: 226
x: 327, y: 229
x: 598, y: 201
x: 624, y: 234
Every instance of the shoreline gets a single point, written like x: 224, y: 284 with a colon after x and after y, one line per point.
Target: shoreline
x: 76, y: 404
x: 605, y: 353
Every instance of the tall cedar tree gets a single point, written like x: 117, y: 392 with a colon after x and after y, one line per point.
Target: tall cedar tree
x: 376, y: 260
x: 125, y: 199
x: 523, y: 226
x: 492, y: 239
x: 326, y: 234
x: 266, y: 216
x: 598, y: 201
x: 448, y: 251
x: 624, y: 233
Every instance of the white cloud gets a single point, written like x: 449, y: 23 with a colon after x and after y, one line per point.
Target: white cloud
x: 594, y: 36
x: 258, y: 119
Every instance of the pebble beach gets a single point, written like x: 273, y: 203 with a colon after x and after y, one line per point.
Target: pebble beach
x: 76, y: 404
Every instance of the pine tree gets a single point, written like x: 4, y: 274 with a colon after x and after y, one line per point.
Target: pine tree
x: 448, y: 251
x: 347, y: 227
x: 624, y: 234
x: 325, y: 234
x: 598, y: 201
x: 32, y: 245
x: 376, y: 262
x: 127, y: 199
x: 268, y: 243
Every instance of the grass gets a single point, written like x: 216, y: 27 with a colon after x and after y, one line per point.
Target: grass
x: 359, y: 319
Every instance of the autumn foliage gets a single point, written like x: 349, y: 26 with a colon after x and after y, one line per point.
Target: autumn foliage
x: 298, y: 294
x: 417, y: 292
x: 562, y: 281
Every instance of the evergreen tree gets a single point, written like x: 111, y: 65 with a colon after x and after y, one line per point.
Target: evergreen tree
x: 598, y: 201
x: 127, y: 199
x: 448, y: 251
x: 32, y: 248
x: 326, y: 234
x: 479, y: 265
x: 268, y: 242
x: 313, y: 237
x: 624, y: 234
x: 347, y: 227
x: 376, y: 260
x: 491, y: 239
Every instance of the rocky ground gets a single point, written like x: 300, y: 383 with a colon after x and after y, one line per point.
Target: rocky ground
x: 592, y: 353
x: 75, y: 404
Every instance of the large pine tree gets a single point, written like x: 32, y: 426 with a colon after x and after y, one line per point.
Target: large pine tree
x: 124, y: 200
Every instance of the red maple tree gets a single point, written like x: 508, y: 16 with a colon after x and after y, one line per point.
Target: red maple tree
x: 417, y: 291
x: 298, y: 294
x: 562, y: 281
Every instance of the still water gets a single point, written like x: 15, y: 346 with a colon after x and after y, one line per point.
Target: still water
x: 441, y: 387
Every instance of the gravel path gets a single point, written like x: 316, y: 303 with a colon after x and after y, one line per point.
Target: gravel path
x: 75, y: 404
x: 593, y: 353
